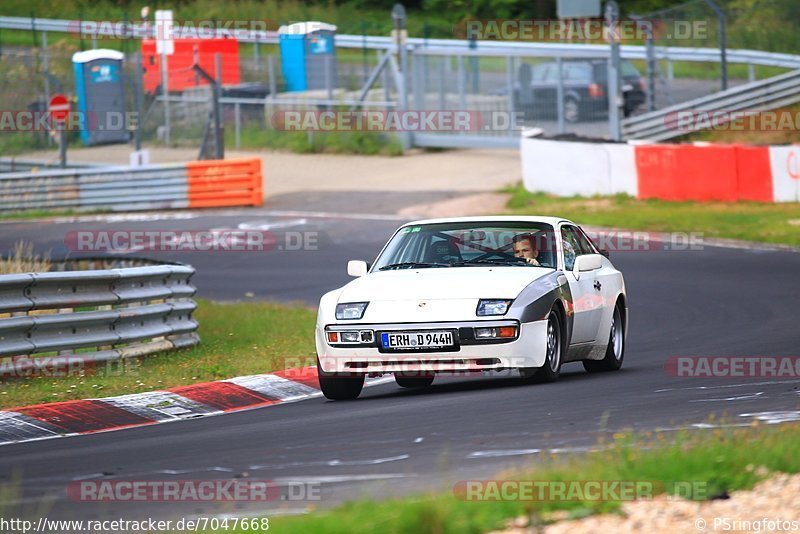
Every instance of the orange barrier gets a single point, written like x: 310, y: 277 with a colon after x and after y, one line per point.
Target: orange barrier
x: 220, y: 183
x: 718, y: 172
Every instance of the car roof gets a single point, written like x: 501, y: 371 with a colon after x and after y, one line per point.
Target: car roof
x: 494, y: 218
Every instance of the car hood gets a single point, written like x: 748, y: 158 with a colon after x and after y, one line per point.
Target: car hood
x: 449, y: 293
x: 441, y: 283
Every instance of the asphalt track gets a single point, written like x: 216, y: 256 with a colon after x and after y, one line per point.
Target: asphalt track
x: 709, y: 302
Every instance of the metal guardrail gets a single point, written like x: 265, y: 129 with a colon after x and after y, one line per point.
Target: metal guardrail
x: 135, y: 311
x: 17, y: 165
x: 443, y: 46
x: 762, y: 95
x: 147, y: 187
x: 212, y: 183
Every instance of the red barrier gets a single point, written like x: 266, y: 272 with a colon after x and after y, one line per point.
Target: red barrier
x: 180, y: 74
x: 724, y: 173
x: 754, y: 173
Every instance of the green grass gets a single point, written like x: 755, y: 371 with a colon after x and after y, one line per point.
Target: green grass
x: 713, y: 461
x: 236, y: 339
x: 356, y: 142
x: 749, y: 221
x: 742, y: 134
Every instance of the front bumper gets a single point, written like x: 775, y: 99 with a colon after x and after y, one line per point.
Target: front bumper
x: 528, y: 349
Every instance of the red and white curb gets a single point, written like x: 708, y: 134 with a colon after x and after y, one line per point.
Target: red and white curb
x: 71, y: 418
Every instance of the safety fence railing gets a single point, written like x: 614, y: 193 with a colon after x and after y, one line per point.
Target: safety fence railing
x: 213, y: 183
x: 12, y: 164
x: 683, y: 118
x: 59, y: 322
x: 139, y: 30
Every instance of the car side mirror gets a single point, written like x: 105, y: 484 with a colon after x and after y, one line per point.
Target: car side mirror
x: 357, y: 268
x: 588, y: 262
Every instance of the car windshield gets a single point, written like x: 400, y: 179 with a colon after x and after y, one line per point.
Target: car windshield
x: 469, y: 245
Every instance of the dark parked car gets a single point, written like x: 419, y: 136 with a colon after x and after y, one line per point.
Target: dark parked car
x: 585, y: 85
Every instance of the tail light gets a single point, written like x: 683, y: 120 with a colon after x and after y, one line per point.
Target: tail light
x: 595, y: 90
x: 642, y: 84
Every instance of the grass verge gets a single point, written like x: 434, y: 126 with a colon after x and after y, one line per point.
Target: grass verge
x: 237, y: 339
x: 749, y: 221
x: 760, y: 132
x: 716, y: 461
x: 356, y: 142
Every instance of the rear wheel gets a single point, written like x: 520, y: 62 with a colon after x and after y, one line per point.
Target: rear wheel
x: 336, y: 386
x: 551, y: 369
x: 615, y: 352
x: 414, y: 380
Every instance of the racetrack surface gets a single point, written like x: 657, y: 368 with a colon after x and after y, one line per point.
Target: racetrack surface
x: 709, y: 302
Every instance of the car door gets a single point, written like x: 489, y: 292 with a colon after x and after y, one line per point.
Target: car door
x: 586, y: 289
x: 543, y: 83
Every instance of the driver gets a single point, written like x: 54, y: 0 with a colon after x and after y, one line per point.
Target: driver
x: 525, y: 247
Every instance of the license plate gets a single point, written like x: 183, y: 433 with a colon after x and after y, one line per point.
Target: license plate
x: 416, y: 340
x: 627, y: 87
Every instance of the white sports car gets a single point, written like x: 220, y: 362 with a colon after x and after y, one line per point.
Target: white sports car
x: 473, y: 294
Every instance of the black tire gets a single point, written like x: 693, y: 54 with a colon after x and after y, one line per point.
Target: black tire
x: 551, y: 369
x: 414, y: 381
x: 339, y: 387
x: 615, y: 353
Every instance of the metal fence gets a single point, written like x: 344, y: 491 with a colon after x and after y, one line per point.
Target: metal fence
x: 558, y: 87
x: 73, y: 319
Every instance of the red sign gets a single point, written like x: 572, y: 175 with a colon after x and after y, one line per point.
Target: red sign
x: 59, y: 107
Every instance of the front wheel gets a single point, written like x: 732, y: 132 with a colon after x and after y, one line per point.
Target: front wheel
x: 414, y: 381
x: 551, y: 369
x: 339, y: 387
x: 615, y: 352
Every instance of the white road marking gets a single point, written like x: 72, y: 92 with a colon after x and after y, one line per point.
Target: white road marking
x: 772, y: 418
x: 747, y: 384
x: 498, y: 453
x: 271, y: 225
x: 748, y: 396
x: 336, y: 463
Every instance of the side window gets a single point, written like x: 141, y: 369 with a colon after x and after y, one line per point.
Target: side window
x: 539, y: 72
x: 573, y: 247
x: 551, y: 74
x: 586, y: 244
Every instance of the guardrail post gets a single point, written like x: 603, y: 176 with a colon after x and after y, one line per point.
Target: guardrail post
x: 273, y: 86
x: 560, y: 96
x: 510, y: 84
x: 237, y: 119
x: 614, y: 97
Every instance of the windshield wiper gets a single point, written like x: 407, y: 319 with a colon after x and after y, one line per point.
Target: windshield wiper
x: 412, y: 265
x: 510, y: 261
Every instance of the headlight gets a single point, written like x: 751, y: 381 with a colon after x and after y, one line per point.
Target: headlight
x: 350, y: 310
x: 493, y: 307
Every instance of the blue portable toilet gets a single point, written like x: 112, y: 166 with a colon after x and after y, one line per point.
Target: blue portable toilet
x: 101, y: 96
x: 308, y: 55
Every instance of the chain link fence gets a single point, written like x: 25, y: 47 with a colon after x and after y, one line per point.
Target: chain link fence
x: 502, y: 87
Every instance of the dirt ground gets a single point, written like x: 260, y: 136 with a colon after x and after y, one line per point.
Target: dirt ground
x: 285, y: 172
x: 773, y: 505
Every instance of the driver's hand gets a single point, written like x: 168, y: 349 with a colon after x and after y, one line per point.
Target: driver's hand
x: 532, y: 261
